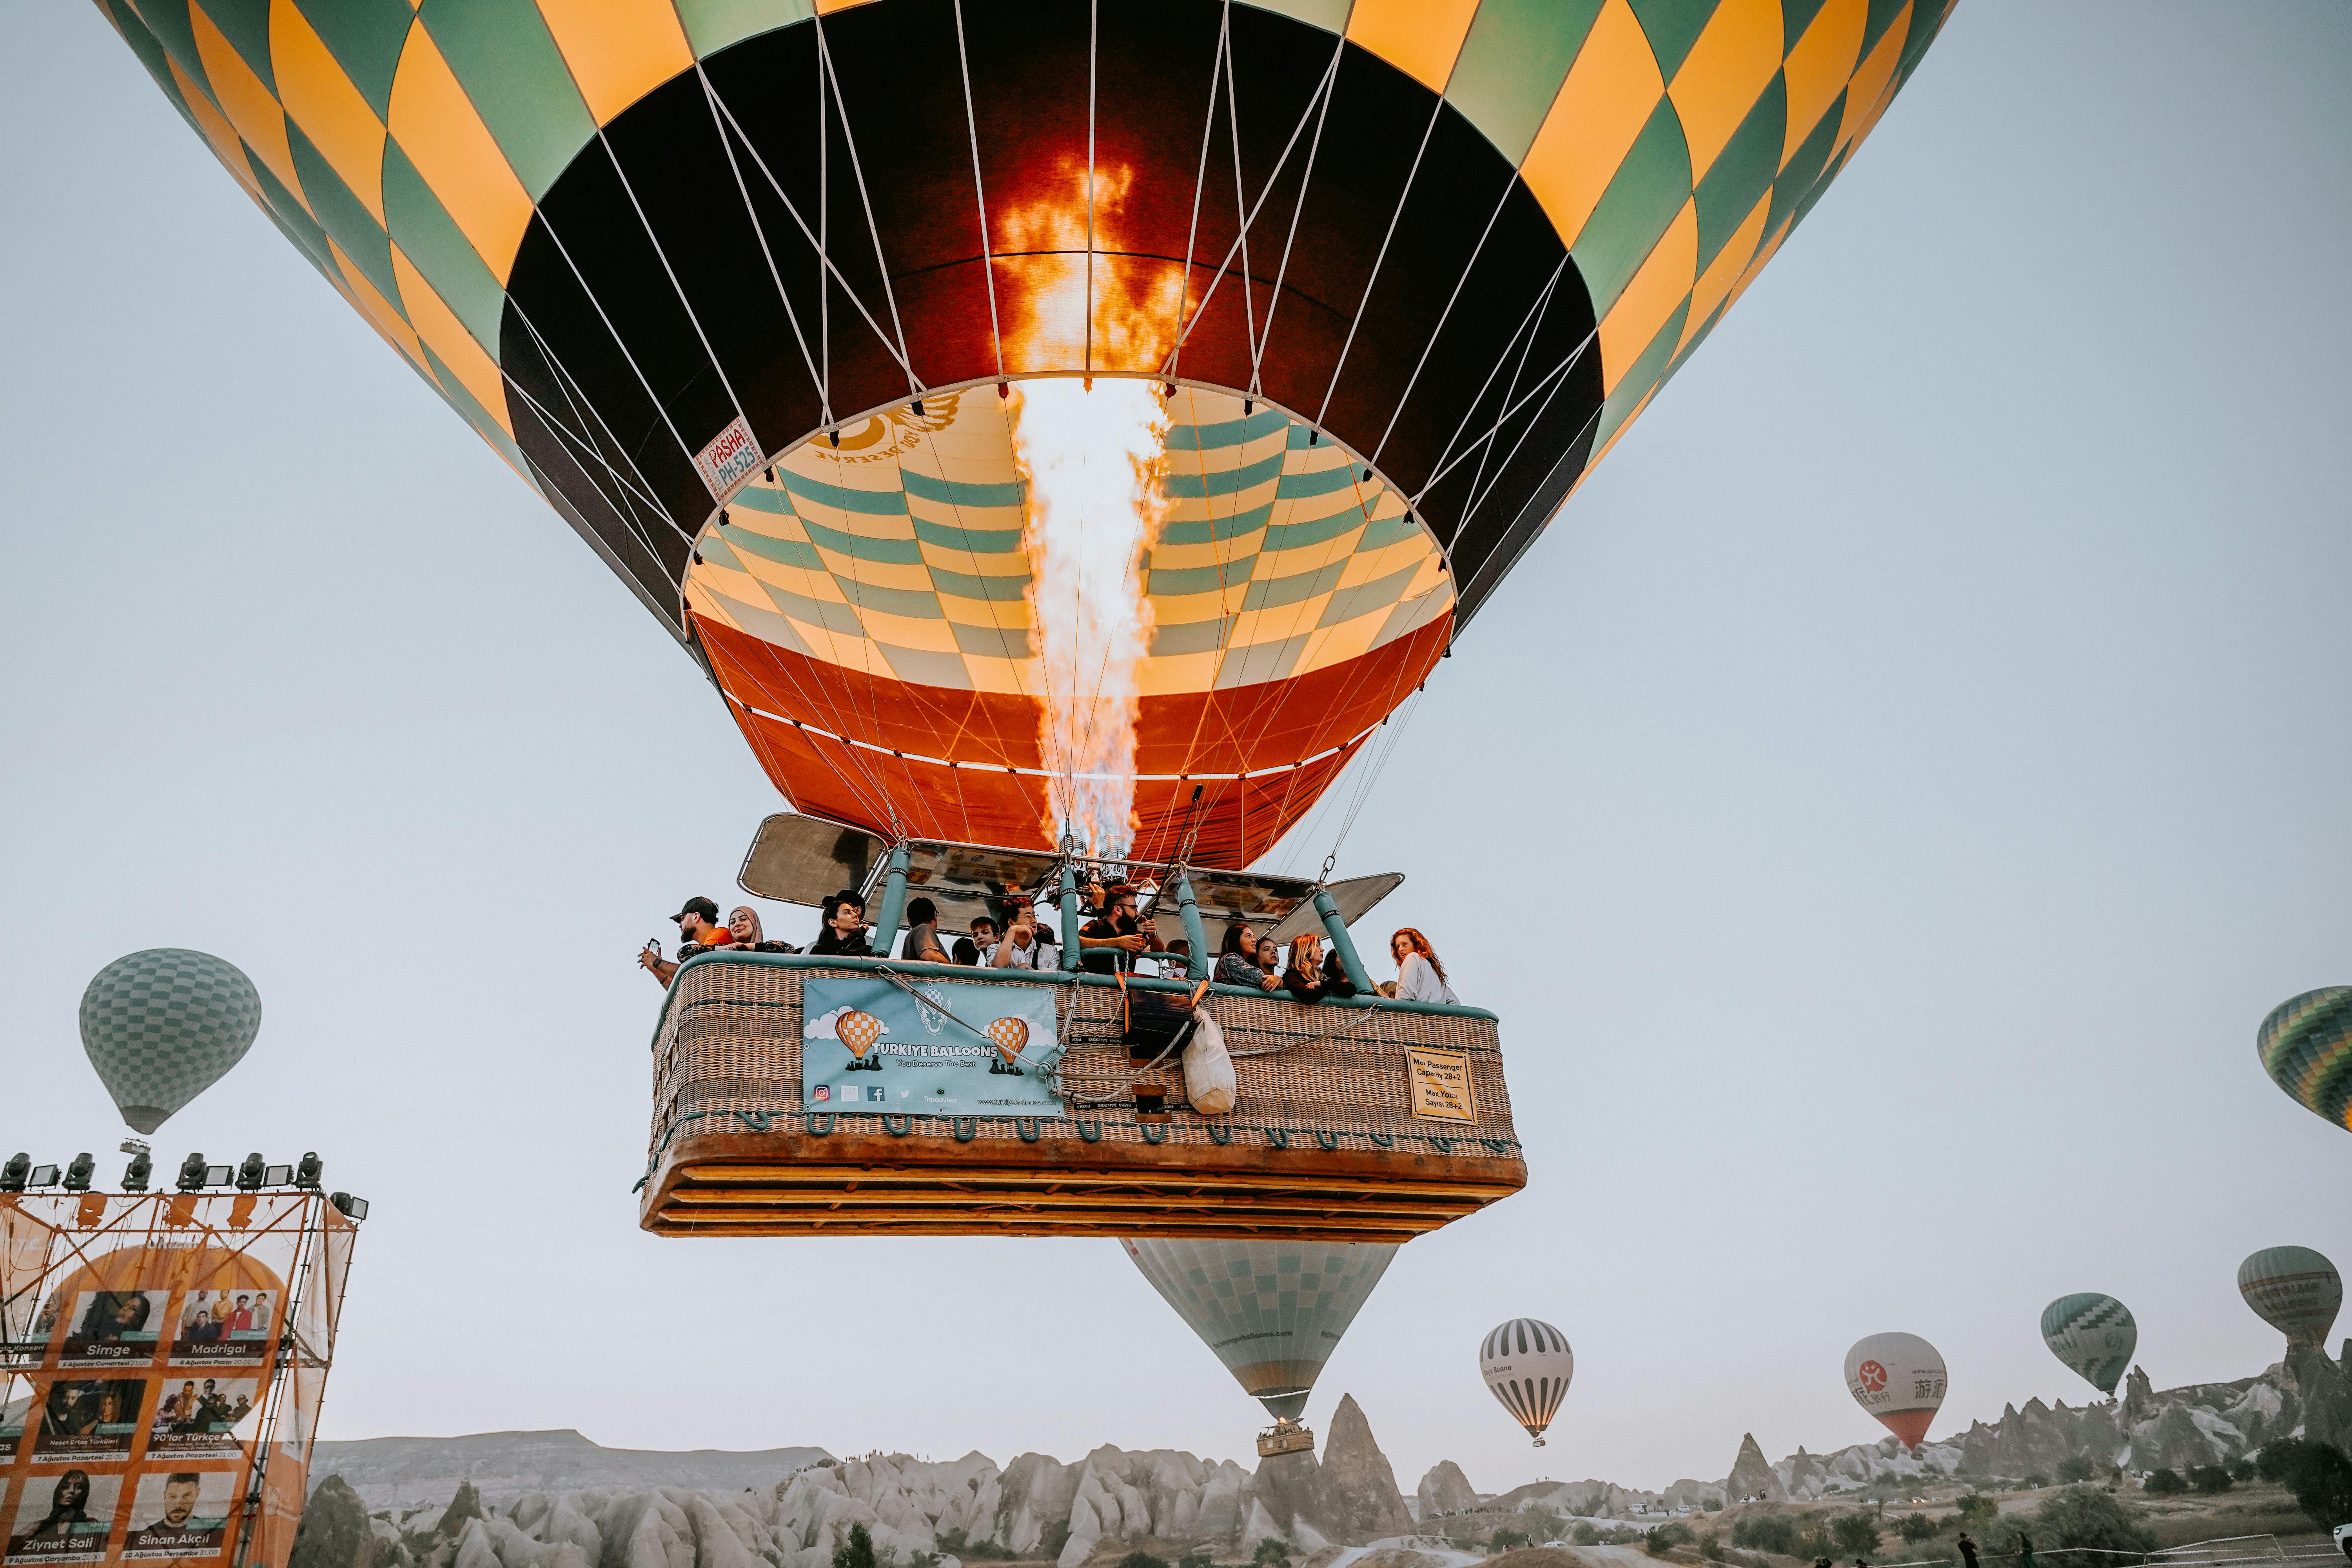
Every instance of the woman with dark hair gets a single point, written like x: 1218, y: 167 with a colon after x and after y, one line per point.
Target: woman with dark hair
x: 844, y: 935
x: 922, y: 943
x: 1419, y: 977
x: 1313, y: 974
x: 68, y: 1506
x: 1237, y: 960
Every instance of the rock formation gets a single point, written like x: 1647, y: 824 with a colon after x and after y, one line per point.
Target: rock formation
x: 1751, y: 1477
x: 1371, y: 1506
x: 1445, y: 1490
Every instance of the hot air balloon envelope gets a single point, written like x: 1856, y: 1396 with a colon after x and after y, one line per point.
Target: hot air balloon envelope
x: 1526, y: 1364
x: 735, y: 284
x: 1898, y: 1378
x: 2294, y: 1289
x: 2093, y: 1334
x: 2305, y: 1046
x: 163, y: 1026
x: 1272, y: 1311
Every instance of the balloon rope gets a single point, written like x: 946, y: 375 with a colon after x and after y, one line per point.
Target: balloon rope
x: 858, y: 172
x: 978, y: 194
x: 1477, y: 479
x: 1490, y: 564
x: 566, y: 383
x: 1328, y: 91
x: 1530, y: 323
x: 618, y: 342
x: 1233, y: 134
x: 677, y: 287
x: 1555, y: 373
x: 1356, y: 319
x: 1430, y: 347
x: 1199, y: 178
x: 1094, y: 20
x: 816, y: 242
x: 743, y: 191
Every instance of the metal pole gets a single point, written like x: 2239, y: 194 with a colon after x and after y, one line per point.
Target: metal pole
x: 894, y: 903
x: 1195, y: 932
x: 1069, y: 916
x: 1341, y: 942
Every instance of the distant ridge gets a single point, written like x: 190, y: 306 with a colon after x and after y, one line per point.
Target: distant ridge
x: 393, y: 1472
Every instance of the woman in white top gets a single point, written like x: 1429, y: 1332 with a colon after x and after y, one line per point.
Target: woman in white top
x: 1419, y: 977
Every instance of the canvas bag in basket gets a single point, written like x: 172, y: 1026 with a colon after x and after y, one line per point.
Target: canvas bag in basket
x: 1208, y: 1080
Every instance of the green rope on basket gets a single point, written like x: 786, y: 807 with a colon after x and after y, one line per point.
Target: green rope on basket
x: 1278, y: 1136
x: 823, y: 1131
x: 1028, y: 1127
x: 1091, y: 1134
x: 757, y: 1121
x: 1220, y: 1131
x: 1385, y: 1140
x: 965, y: 1128
x: 1328, y: 1140
x: 1153, y: 1132
x: 906, y: 1124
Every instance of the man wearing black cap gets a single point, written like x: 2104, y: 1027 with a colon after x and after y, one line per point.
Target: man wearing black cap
x: 698, y: 928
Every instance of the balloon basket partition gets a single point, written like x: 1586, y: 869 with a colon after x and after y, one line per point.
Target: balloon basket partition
x: 758, y: 1056
x: 163, y: 1359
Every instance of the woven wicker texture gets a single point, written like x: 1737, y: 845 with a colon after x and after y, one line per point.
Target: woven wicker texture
x: 1333, y: 1077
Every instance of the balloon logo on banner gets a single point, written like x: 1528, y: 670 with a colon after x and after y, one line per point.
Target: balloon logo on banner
x: 1873, y: 1376
x: 1009, y: 1034
x: 858, y: 1031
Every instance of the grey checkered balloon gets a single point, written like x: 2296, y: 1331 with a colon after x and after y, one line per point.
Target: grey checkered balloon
x: 163, y: 1026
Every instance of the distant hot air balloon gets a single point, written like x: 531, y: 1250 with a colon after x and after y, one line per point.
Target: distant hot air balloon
x: 2294, y: 1289
x: 1900, y: 1378
x: 1273, y: 1310
x: 2093, y: 1334
x: 1526, y: 1364
x: 163, y: 1026
x: 2306, y: 1048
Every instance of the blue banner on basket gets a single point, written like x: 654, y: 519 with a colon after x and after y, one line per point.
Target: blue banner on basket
x: 867, y: 1047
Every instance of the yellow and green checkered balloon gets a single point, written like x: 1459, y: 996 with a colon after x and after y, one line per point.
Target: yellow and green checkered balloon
x: 2306, y: 1048
x: 163, y: 1026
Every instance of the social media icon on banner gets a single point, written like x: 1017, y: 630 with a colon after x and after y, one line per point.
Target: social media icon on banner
x: 876, y: 1094
x: 824, y: 1092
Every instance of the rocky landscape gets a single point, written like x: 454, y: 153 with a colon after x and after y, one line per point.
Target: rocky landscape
x: 554, y: 1499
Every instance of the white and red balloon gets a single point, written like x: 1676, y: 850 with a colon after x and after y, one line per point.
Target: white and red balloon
x: 1900, y: 1378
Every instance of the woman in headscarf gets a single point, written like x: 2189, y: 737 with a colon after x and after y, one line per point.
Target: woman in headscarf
x: 1419, y: 977
x: 743, y: 925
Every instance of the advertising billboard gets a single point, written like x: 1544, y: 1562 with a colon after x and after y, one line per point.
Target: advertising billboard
x: 950, y: 1048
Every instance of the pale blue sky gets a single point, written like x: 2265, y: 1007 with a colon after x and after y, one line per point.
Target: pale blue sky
x: 1881, y: 809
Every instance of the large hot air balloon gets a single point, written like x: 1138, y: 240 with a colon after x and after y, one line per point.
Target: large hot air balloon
x: 1272, y: 1311
x: 2306, y: 1048
x: 1526, y: 1364
x: 1900, y: 1378
x: 2294, y: 1289
x: 2094, y: 1335
x: 766, y: 299
x: 163, y: 1026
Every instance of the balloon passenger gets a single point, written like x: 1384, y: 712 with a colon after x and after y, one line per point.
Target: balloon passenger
x: 968, y: 949
x: 743, y: 925
x: 1419, y: 977
x: 922, y: 943
x: 1313, y: 973
x: 1111, y: 940
x: 843, y: 935
x: 1027, y: 944
x: 1237, y: 962
x: 698, y: 929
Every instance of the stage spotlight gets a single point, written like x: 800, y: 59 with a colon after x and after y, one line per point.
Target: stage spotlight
x: 306, y: 1174
x: 78, y: 1173
x: 192, y: 1174
x: 353, y: 1208
x: 249, y: 1174
x: 136, y: 1175
x: 13, y: 1173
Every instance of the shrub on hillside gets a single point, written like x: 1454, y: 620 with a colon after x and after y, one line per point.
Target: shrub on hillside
x: 2210, y: 1480
x: 1978, y: 1510
x: 1271, y: 1553
x: 1504, y: 1540
x: 2036, y: 1481
x: 2164, y: 1483
x: 1586, y: 1533
x: 1142, y: 1560
x: 857, y: 1552
x: 1664, y: 1537
x: 2092, y: 1518
x: 2321, y: 1482
x: 1915, y: 1528
x: 1853, y: 1534
x: 1775, y: 1533
x: 2074, y: 1469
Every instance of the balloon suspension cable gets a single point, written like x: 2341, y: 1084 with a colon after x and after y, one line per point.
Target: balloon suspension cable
x: 940, y: 1007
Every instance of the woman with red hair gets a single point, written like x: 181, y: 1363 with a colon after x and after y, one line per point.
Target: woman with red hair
x: 1419, y: 977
